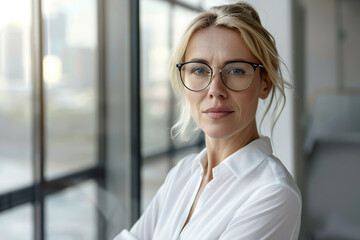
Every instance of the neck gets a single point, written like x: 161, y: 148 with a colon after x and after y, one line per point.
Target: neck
x: 219, y: 149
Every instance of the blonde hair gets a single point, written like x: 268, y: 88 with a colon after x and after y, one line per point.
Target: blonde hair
x: 241, y: 17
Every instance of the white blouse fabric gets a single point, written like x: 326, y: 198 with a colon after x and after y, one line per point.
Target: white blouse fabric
x: 251, y: 196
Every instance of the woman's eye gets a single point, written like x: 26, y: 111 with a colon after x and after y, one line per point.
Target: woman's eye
x: 199, y: 70
x: 236, y: 71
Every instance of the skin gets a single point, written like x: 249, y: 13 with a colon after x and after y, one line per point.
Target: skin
x: 224, y: 136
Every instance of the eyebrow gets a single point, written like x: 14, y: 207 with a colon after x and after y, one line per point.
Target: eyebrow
x: 230, y: 60
x: 197, y: 60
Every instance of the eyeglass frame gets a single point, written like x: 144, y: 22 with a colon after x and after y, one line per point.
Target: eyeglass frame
x: 254, y: 65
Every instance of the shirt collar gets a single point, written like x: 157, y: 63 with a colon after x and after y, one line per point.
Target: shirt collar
x: 240, y: 163
x: 199, y: 161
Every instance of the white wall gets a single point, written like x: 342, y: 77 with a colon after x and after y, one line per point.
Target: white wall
x: 276, y: 18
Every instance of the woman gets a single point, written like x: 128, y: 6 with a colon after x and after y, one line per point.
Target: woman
x: 235, y: 188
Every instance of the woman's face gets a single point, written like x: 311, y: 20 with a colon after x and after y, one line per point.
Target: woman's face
x: 219, y: 111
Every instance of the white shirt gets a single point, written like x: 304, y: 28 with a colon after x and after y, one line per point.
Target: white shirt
x: 251, y: 196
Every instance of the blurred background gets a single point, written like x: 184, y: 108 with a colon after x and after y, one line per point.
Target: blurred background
x: 86, y: 109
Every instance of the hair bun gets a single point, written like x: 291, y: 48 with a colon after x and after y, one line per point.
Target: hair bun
x: 240, y: 8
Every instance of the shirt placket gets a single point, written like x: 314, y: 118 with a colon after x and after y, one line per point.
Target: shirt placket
x: 209, y: 190
x: 197, y: 180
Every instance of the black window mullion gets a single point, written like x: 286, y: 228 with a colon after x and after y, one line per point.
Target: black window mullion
x: 25, y: 195
x: 61, y: 183
x: 135, y: 118
x: 102, y: 119
x: 172, y: 99
x: 16, y: 198
x: 38, y: 121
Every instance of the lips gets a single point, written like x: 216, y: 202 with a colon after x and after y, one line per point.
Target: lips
x: 217, y: 112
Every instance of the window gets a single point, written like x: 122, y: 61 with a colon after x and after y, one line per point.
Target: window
x: 67, y: 113
x: 50, y: 168
x: 161, y: 25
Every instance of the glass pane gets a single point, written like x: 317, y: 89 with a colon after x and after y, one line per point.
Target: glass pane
x: 17, y: 223
x: 155, y: 75
x: 71, y: 214
x: 153, y: 173
x: 15, y: 94
x: 195, y: 3
x: 70, y: 74
x: 182, y: 18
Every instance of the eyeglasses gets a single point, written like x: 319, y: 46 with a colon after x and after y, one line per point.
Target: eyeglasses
x: 237, y: 76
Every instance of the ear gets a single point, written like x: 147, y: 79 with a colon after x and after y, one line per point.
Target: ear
x: 266, y: 86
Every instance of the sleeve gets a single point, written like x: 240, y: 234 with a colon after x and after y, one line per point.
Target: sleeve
x: 273, y: 212
x: 144, y: 228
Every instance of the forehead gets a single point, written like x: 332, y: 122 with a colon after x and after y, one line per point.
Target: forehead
x: 217, y: 45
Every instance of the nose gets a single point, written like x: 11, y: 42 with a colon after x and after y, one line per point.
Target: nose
x: 217, y: 88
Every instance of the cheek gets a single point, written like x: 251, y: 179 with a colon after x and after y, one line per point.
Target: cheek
x: 252, y: 94
x: 195, y: 100
x: 192, y: 100
x: 248, y: 101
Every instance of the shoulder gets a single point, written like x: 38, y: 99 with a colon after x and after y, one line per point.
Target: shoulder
x: 256, y: 166
x: 187, y: 160
x: 277, y: 201
x: 182, y: 169
x: 262, y: 176
x: 271, y: 173
x: 280, y: 175
x: 186, y: 163
x: 274, y: 207
x: 277, y: 192
x: 273, y: 186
